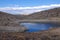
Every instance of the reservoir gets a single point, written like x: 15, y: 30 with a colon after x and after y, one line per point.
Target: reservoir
x: 35, y: 27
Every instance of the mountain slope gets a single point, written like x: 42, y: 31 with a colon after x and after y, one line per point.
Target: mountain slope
x: 7, y: 23
x: 6, y: 19
x: 45, y: 14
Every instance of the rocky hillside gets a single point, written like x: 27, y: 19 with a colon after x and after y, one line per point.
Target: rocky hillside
x: 20, y: 17
x: 52, y: 34
x: 9, y: 20
x: 45, y: 14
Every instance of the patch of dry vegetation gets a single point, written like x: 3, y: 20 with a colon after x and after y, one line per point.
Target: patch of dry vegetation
x: 52, y: 34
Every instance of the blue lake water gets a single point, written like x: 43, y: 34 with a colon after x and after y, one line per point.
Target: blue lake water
x: 35, y: 27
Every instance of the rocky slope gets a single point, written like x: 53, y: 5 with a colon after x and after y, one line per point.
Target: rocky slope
x: 9, y: 20
x: 20, y: 17
x: 45, y: 14
x: 52, y: 34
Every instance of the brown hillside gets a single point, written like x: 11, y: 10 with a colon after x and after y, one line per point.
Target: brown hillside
x: 45, y: 14
x: 7, y: 22
x: 53, y: 34
x: 7, y: 19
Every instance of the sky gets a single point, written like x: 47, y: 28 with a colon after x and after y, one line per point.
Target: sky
x: 27, y: 6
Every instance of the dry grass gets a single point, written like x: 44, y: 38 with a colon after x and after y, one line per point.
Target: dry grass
x: 53, y: 34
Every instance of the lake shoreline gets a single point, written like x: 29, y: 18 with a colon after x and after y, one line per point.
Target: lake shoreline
x: 33, y: 35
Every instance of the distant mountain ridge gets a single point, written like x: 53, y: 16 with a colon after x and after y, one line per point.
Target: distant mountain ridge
x: 55, y: 12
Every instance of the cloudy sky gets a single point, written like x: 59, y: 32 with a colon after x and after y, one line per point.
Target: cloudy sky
x: 27, y: 6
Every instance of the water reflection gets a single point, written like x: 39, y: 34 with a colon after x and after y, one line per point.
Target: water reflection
x: 34, y: 27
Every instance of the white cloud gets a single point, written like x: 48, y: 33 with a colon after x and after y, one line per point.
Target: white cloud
x: 28, y: 10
